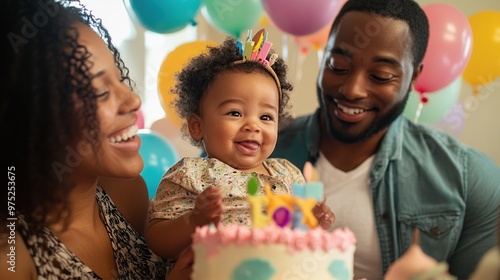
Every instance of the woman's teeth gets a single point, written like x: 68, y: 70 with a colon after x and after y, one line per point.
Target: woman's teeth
x: 126, y: 135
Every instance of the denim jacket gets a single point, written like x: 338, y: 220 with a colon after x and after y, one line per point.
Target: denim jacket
x: 420, y: 178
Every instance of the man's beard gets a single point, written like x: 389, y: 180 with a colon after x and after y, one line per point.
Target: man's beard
x: 379, y: 123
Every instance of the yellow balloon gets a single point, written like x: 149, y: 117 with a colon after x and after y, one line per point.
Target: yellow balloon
x: 173, y: 62
x: 484, y: 64
x: 264, y: 20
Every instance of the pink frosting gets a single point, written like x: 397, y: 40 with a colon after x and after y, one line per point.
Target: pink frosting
x: 295, y: 240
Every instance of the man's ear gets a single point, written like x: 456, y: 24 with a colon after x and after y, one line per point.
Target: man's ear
x: 416, y: 74
x: 194, y: 126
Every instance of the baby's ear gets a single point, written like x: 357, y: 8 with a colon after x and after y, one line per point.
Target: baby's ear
x: 194, y: 126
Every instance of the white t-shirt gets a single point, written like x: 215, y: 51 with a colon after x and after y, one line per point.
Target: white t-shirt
x: 349, y: 197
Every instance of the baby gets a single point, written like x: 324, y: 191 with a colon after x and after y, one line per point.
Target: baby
x: 232, y: 99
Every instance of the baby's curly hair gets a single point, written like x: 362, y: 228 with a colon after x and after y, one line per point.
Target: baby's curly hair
x: 194, y: 79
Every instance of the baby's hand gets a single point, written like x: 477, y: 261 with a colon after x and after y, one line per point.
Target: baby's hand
x: 324, y: 215
x: 207, y: 208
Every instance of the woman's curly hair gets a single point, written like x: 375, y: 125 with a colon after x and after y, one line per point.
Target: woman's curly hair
x: 48, y: 103
x: 194, y: 79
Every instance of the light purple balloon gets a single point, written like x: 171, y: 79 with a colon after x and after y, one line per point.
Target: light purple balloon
x: 301, y: 17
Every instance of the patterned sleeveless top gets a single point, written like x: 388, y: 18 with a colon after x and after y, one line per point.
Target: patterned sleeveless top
x: 134, y: 259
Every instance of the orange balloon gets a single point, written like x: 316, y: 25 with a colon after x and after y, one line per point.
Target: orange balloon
x: 484, y: 64
x: 173, y: 63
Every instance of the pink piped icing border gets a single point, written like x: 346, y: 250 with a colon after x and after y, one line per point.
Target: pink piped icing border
x: 295, y: 240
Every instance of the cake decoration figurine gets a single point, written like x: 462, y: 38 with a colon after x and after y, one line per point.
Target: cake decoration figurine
x: 278, y: 209
x: 286, y: 210
x: 416, y: 265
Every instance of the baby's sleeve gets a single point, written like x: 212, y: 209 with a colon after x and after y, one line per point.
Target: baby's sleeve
x: 295, y: 172
x: 171, y: 201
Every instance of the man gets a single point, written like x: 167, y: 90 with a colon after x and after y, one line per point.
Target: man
x: 385, y: 176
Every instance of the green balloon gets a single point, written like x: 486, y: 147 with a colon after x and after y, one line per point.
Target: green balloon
x: 439, y: 103
x: 232, y: 17
x: 253, y: 186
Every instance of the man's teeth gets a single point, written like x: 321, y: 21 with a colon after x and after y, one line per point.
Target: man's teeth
x: 127, y: 134
x: 350, y: 111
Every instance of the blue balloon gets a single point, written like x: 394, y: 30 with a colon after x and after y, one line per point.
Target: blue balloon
x: 165, y: 16
x: 158, y: 156
x: 438, y: 106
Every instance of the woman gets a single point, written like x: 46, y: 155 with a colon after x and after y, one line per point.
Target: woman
x: 70, y: 114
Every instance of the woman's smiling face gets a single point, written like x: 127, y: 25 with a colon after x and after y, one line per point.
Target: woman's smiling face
x: 118, y: 154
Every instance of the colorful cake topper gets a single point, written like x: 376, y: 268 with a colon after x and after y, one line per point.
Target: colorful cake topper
x: 284, y: 210
x: 253, y: 186
x: 282, y: 216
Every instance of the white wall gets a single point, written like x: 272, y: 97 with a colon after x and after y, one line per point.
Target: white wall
x: 481, y: 127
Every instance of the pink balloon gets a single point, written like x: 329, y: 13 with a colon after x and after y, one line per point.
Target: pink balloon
x: 300, y: 17
x: 319, y: 38
x: 449, y: 49
x: 140, y: 119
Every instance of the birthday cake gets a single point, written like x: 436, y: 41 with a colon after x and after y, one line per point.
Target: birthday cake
x: 284, y: 242
x: 238, y: 253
